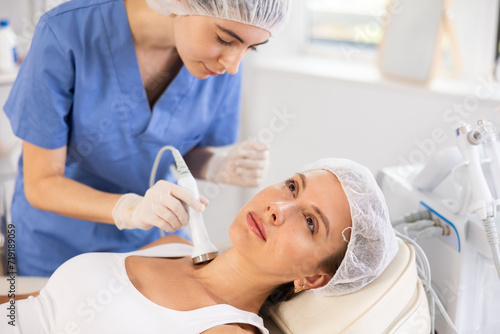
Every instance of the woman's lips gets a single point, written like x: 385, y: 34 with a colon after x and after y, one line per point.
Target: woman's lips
x: 256, y: 225
x: 210, y: 72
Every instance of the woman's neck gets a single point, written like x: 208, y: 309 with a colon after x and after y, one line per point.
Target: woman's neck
x: 230, y: 280
x: 150, y: 30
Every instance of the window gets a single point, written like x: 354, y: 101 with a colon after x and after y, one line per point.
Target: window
x: 353, y: 30
x: 345, y: 22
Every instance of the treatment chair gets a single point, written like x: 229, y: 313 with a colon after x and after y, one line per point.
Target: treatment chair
x: 394, y: 303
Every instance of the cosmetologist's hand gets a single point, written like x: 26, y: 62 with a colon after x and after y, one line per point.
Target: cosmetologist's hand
x: 161, y: 206
x: 245, y: 165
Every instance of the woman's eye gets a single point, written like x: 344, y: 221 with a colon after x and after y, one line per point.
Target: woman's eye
x: 223, y: 42
x: 310, y: 224
x: 291, y: 186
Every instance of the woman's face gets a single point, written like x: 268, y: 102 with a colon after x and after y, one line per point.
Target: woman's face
x: 287, y: 229
x: 210, y: 46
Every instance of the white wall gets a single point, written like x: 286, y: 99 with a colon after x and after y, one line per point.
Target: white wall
x: 377, y: 124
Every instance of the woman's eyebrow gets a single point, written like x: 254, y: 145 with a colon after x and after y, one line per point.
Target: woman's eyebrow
x: 231, y: 33
x: 323, y: 219
x: 235, y: 35
x: 303, y: 178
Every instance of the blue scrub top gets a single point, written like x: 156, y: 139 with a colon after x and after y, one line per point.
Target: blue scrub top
x: 80, y: 87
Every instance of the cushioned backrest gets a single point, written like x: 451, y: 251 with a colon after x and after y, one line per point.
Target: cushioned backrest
x: 369, y: 310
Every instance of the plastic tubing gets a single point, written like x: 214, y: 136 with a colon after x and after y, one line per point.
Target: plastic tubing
x: 426, y: 278
x: 482, y: 202
x: 492, y: 236
x: 413, y: 217
x: 492, y: 151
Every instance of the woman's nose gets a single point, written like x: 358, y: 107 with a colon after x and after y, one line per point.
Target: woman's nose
x: 232, y: 61
x: 279, y: 211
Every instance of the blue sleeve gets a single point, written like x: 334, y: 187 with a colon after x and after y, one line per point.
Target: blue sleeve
x: 225, y: 127
x: 42, y: 95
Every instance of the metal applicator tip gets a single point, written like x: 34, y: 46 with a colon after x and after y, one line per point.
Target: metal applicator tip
x: 201, y: 259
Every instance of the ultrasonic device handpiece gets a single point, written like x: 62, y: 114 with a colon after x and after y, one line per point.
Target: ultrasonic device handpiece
x: 204, y: 250
x: 482, y: 202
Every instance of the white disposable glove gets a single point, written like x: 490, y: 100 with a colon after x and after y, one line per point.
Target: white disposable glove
x: 161, y: 206
x: 245, y: 165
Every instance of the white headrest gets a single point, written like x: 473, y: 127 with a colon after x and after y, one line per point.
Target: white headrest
x: 370, y: 310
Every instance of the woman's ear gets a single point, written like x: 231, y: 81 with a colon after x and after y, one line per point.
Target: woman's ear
x: 313, y: 282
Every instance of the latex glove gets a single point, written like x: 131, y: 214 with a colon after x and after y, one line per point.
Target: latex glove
x: 245, y: 165
x: 161, y: 206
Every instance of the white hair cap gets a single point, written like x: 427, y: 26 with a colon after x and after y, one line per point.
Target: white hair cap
x: 270, y: 15
x: 372, y: 244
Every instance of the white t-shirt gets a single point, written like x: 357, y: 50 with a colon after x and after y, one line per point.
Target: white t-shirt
x: 91, y: 293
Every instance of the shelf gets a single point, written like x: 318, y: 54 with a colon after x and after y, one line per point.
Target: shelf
x: 8, y: 78
x: 368, y: 74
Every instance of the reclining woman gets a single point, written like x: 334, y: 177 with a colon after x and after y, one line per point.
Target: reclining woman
x: 326, y: 230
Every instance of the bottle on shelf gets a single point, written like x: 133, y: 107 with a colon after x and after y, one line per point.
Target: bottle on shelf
x: 8, y: 47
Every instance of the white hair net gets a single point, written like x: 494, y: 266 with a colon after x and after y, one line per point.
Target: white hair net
x: 266, y: 14
x: 372, y: 244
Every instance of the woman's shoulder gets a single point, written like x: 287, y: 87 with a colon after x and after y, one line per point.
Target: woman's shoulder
x: 169, y: 239
x: 232, y: 329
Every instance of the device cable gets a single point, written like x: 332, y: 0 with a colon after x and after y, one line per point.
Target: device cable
x: 425, y: 275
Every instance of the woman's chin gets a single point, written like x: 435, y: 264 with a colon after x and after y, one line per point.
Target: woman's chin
x: 197, y: 70
x: 237, y: 235
x: 200, y: 76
